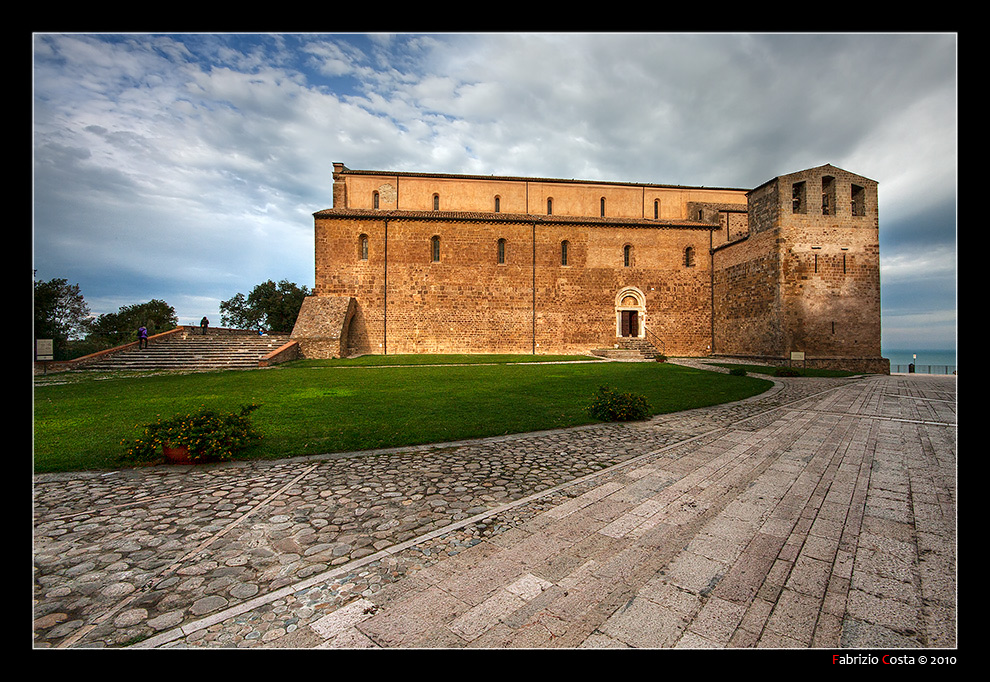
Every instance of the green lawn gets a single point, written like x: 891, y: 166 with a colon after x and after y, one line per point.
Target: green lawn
x: 321, y: 407
x: 452, y: 359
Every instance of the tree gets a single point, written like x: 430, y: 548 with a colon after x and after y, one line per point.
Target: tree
x: 60, y: 314
x: 114, y: 329
x: 270, y: 306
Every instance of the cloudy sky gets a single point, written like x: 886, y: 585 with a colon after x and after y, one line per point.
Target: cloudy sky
x: 187, y: 167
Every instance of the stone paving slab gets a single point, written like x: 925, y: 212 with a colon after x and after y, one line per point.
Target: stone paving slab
x: 820, y: 514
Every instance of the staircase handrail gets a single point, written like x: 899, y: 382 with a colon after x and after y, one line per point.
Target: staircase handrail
x: 654, y: 339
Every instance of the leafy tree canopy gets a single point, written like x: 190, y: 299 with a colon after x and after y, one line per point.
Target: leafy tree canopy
x: 270, y: 306
x: 60, y: 313
x: 121, y: 327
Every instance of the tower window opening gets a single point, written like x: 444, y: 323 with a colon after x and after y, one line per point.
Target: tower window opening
x: 798, y: 197
x: 828, y: 195
x: 858, y: 200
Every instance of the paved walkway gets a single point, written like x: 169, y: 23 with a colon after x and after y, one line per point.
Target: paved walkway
x: 820, y: 514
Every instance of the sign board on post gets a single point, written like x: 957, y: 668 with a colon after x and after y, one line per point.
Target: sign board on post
x: 44, y: 349
x: 797, y: 356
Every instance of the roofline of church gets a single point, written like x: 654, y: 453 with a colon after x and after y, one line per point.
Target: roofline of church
x: 512, y: 178
x: 528, y: 218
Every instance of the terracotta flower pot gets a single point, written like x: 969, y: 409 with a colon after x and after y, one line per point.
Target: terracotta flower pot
x: 177, y: 455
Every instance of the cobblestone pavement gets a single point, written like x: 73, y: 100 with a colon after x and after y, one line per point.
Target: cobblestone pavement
x: 821, y: 514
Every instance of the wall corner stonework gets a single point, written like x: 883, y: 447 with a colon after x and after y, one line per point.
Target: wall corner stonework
x: 323, y: 325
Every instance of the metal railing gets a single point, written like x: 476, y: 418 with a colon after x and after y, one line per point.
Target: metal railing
x: 655, y: 340
x: 922, y: 369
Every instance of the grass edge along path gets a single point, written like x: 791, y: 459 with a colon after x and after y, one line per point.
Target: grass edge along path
x: 308, y: 409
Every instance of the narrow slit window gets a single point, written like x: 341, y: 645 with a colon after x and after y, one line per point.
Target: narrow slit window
x: 436, y: 202
x: 435, y: 249
x: 501, y: 252
x: 689, y: 257
x: 563, y: 252
x: 549, y: 206
x: 363, y: 247
x: 627, y: 255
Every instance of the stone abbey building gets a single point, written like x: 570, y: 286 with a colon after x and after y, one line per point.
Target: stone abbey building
x: 784, y: 273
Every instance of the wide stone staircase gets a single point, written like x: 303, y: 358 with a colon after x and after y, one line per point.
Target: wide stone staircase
x: 629, y: 348
x: 190, y: 350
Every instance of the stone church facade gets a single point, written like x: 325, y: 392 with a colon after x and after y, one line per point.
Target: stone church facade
x: 784, y: 273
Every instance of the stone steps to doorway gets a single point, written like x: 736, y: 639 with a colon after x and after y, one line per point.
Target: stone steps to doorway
x: 629, y: 348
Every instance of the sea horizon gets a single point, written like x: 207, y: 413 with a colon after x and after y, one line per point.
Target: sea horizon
x: 921, y: 356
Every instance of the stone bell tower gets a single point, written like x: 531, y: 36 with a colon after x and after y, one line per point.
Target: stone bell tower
x: 804, y: 286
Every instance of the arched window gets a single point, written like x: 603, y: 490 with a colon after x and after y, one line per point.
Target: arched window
x: 436, y: 202
x: 374, y: 199
x: 627, y: 253
x: 689, y: 257
x: 563, y: 252
x: 498, y: 204
x: 501, y: 252
x: 603, y: 206
x: 435, y: 249
x: 549, y: 206
x: 656, y: 209
x: 363, y: 247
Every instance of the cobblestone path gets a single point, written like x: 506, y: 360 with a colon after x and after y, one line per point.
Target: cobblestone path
x: 255, y: 554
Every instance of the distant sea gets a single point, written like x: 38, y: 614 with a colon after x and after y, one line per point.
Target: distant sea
x: 936, y: 358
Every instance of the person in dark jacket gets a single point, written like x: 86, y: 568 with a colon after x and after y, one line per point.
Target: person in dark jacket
x: 142, y: 337
x: 204, y: 323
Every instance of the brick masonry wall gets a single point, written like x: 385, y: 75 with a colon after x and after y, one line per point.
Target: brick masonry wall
x: 746, y: 302
x: 323, y: 326
x: 468, y: 302
x: 775, y: 282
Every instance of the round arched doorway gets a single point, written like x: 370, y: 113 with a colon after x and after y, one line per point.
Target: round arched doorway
x: 630, y: 312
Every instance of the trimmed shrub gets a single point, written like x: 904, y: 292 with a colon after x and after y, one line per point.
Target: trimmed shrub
x: 211, y: 435
x: 609, y: 406
x: 786, y: 372
x: 737, y: 372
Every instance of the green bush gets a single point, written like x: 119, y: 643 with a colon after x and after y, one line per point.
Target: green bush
x: 609, y: 406
x: 737, y: 372
x: 211, y: 435
x: 786, y: 372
